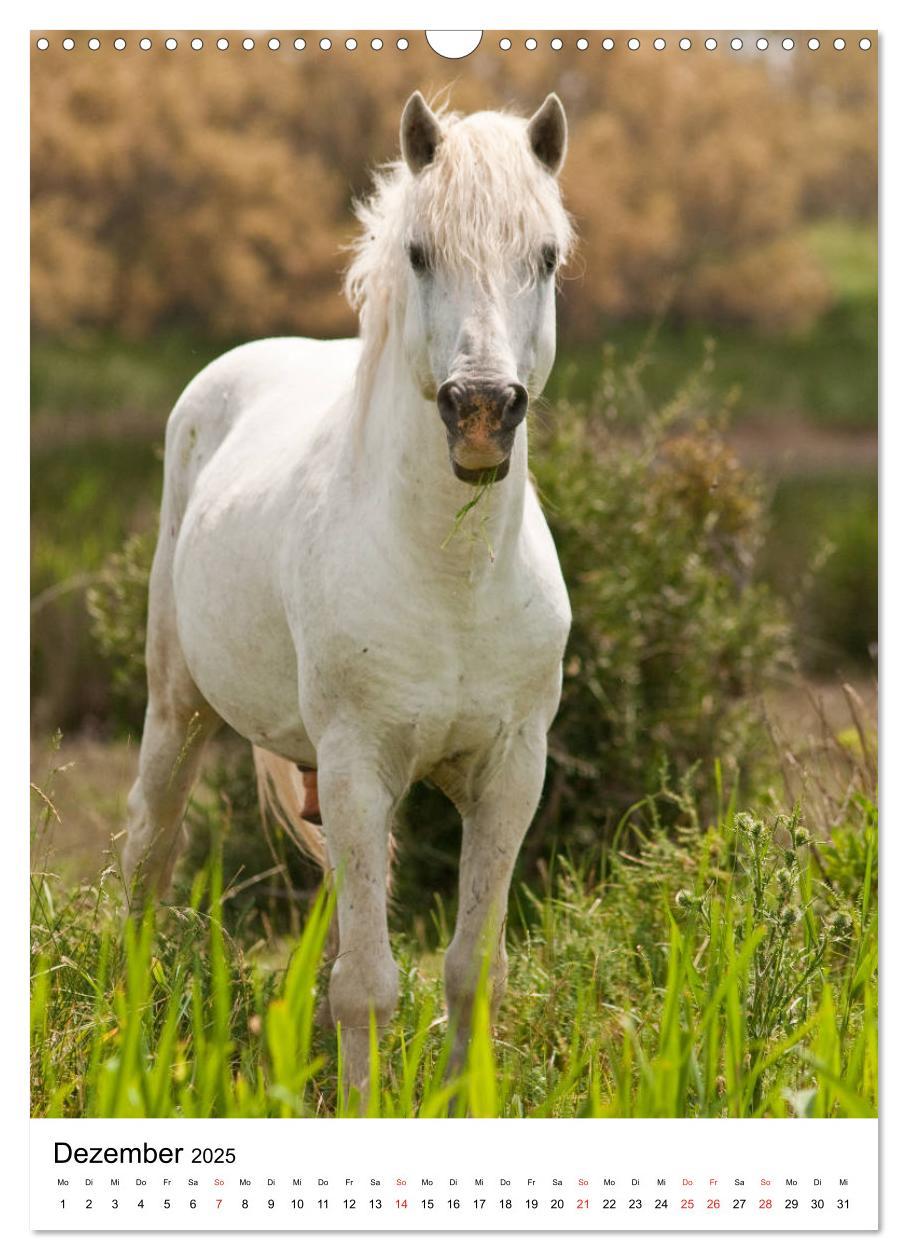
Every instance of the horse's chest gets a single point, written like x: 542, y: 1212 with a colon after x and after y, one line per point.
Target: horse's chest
x: 444, y: 678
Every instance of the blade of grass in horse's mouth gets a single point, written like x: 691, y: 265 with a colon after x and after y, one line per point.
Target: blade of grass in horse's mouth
x: 488, y: 480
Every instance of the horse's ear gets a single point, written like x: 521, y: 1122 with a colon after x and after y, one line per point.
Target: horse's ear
x: 547, y: 130
x: 420, y: 134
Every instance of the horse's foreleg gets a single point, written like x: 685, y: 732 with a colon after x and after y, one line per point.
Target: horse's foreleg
x: 493, y: 832
x: 356, y: 806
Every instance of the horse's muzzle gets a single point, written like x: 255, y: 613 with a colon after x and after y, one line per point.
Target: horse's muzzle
x: 497, y: 472
x: 480, y: 421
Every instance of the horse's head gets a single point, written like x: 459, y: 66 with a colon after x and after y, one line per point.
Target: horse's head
x: 481, y: 235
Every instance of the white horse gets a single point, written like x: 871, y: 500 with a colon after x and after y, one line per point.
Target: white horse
x: 303, y: 590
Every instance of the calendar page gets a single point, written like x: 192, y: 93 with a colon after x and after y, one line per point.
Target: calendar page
x: 454, y: 630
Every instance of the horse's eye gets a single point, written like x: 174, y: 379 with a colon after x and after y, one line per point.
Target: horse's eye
x: 549, y: 259
x: 419, y: 259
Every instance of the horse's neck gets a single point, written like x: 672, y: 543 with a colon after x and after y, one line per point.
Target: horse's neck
x: 405, y: 471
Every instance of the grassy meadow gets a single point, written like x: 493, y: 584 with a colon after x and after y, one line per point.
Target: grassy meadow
x: 723, y: 969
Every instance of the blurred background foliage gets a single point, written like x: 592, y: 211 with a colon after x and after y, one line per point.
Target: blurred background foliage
x: 707, y: 449
x: 212, y: 189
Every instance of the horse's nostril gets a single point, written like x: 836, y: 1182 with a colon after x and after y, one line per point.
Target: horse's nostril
x: 515, y: 407
x: 448, y: 400
x: 499, y: 407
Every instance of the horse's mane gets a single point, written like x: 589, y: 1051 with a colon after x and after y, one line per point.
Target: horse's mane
x: 483, y: 203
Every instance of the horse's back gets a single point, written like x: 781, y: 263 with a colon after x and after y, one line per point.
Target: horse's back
x: 244, y: 372
x: 262, y: 384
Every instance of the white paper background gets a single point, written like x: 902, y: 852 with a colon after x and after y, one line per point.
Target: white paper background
x: 636, y: 18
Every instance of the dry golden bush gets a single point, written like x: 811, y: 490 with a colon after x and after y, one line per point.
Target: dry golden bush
x: 213, y: 189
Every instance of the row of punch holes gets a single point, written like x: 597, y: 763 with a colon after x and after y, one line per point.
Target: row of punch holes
x: 736, y: 43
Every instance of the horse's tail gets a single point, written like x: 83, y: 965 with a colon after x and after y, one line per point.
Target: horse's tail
x: 280, y: 789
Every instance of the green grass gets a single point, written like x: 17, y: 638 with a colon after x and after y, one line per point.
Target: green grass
x: 725, y: 970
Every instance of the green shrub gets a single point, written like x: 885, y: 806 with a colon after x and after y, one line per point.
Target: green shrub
x: 88, y: 494
x: 659, y: 530
x: 823, y: 549
x: 118, y: 607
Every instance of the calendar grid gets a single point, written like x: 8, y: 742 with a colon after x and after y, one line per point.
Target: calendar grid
x: 488, y: 1175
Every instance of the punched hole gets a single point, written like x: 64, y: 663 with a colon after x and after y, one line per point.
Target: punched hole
x: 453, y: 44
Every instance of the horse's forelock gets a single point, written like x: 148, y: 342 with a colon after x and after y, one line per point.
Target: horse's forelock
x: 482, y: 205
x: 487, y: 202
